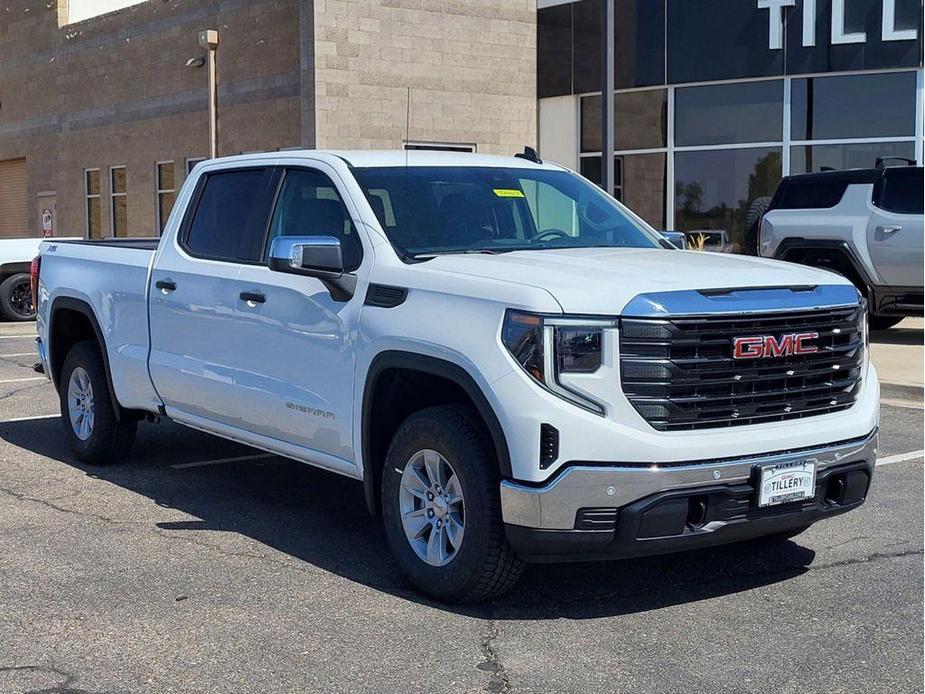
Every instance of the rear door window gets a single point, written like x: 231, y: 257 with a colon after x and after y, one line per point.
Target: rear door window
x: 230, y: 217
x: 901, y: 191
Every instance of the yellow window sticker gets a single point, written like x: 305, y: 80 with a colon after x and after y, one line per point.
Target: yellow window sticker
x: 508, y: 193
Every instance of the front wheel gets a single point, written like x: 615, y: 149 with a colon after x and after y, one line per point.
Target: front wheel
x: 93, y: 431
x: 442, y: 510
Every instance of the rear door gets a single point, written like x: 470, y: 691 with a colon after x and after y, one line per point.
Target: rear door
x: 194, y: 294
x: 895, y: 231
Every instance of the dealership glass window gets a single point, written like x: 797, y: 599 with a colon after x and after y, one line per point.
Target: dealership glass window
x: 166, y: 192
x: 94, y: 211
x: 719, y: 40
x: 714, y: 190
x: 849, y: 106
x: 729, y: 113
x: 640, y: 120
x: 118, y: 200
x: 855, y: 155
x: 639, y: 183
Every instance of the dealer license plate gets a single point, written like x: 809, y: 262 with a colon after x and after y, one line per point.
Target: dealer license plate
x: 784, y: 483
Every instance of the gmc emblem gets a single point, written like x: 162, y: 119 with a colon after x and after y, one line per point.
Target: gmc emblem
x: 769, y: 346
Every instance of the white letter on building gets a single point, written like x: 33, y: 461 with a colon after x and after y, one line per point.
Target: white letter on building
x: 890, y: 32
x: 809, y: 22
x: 838, y: 26
x: 775, y: 20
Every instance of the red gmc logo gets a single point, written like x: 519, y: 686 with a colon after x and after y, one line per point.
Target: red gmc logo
x: 769, y: 346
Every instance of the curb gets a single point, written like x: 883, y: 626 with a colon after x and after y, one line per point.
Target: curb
x: 902, y: 391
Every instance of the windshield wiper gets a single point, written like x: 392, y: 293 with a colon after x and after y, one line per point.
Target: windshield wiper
x: 468, y: 251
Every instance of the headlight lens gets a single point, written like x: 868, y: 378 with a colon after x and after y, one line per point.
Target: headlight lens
x: 578, y: 350
x: 522, y: 334
x: 548, y: 346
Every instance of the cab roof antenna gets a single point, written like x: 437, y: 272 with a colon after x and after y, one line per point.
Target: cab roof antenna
x: 530, y: 155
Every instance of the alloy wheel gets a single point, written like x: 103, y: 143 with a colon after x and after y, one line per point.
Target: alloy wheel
x: 80, y: 403
x: 433, y: 511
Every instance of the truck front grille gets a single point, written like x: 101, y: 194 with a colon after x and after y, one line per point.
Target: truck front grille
x: 680, y: 373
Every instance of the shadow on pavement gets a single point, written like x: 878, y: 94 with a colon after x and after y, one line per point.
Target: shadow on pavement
x: 898, y: 336
x: 320, y: 518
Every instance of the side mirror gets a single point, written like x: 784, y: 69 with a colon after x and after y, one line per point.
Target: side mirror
x: 314, y: 256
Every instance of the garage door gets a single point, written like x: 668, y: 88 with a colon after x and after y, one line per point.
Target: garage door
x: 14, y: 203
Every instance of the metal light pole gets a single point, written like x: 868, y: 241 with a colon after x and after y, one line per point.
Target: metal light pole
x: 607, y: 69
x: 208, y: 39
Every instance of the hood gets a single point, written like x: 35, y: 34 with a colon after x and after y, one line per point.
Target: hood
x: 604, y: 281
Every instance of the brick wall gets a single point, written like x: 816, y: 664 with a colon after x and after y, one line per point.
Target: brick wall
x: 115, y: 90
x: 471, y: 65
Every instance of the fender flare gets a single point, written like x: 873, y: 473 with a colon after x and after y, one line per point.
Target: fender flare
x: 433, y: 366
x: 789, y: 245
x: 83, y: 308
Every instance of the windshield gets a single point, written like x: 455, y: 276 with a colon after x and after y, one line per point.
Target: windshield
x: 437, y: 210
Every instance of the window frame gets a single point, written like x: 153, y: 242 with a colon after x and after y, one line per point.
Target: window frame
x: 112, y: 201
x: 161, y: 224
x: 273, y: 179
x: 88, y: 197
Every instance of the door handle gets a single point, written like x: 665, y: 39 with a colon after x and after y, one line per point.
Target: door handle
x: 253, y: 297
x: 889, y: 229
x: 166, y: 285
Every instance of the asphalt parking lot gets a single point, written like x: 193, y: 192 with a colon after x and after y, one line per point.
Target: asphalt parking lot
x: 204, y: 566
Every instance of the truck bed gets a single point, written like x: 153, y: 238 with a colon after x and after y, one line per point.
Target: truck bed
x: 144, y: 244
x: 110, y: 278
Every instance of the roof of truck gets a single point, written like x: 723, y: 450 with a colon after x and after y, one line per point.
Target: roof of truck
x: 399, y: 157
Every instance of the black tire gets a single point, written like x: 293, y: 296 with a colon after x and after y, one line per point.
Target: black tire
x: 16, y: 298
x: 109, y: 439
x: 484, y: 566
x: 753, y: 216
x: 883, y: 322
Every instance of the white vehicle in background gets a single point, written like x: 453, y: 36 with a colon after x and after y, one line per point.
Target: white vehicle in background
x: 515, y: 365
x: 865, y: 224
x: 15, y: 296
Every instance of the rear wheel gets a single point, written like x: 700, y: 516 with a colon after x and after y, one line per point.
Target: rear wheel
x: 442, y: 510
x: 16, y: 298
x: 93, y: 431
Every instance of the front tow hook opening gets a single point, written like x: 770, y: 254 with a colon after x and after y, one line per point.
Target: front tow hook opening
x: 696, y: 512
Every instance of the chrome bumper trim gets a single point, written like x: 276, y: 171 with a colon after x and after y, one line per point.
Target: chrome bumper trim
x: 554, y: 506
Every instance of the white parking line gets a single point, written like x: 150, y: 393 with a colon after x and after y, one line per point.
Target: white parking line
x: 19, y: 354
x: 15, y: 337
x: 220, y: 461
x: 900, y: 458
x: 22, y: 380
x: 29, y: 419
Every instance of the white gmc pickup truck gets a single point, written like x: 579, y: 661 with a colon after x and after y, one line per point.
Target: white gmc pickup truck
x: 515, y: 365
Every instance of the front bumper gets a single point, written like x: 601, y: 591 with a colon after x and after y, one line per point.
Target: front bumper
x: 590, y: 512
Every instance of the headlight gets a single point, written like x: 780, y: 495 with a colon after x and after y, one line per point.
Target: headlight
x: 549, y: 346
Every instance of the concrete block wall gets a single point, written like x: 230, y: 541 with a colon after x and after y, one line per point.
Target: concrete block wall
x: 471, y: 66
x: 115, y: 90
